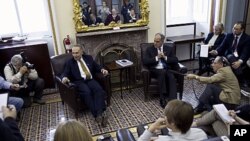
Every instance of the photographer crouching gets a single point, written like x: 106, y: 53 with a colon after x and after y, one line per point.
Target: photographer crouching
x: 21, y: 72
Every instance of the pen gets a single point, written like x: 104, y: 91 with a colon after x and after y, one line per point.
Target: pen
x: 238, y: 111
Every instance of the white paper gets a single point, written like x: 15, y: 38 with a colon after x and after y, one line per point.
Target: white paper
x: 3, y: 102
x: 204, y: 50
x: 124, y: 62
x: 222, y: 111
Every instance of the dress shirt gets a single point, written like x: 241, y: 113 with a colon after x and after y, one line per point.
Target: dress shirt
x: 213, y: 39
x: 160, y: 65
x: 83, y: 74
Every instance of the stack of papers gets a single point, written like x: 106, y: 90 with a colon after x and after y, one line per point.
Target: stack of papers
x: 3, y: 102
x: 124, y: 62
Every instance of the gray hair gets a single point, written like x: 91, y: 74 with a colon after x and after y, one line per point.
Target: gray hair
x: 16, y: 60
x: 162, y: 36
x: 220, y: 26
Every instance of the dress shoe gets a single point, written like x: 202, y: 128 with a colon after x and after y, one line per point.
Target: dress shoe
x: 39, y: 101
x: 104, y: 121
x: 163, y: 103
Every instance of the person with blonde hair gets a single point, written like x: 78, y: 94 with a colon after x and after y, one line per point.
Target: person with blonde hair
x: 72, y: 130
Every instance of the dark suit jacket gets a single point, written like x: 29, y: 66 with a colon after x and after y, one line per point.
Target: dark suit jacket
x: 9, y: 130
x: 72, y: 70
x: 109, y: 19
x: 150, y: 61
x: 243, y: 46
x: 217, y: 42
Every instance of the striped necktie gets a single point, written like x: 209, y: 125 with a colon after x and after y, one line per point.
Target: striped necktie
x: 234, y: 46
x: 85, y: 70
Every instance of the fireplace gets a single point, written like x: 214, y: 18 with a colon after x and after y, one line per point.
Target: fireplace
x: 106, y: 46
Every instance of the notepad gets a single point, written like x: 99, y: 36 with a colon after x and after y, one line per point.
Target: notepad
x: 124, y: 62
x: 3, y: 102
x: 222, y: 111
x: 204, y: 50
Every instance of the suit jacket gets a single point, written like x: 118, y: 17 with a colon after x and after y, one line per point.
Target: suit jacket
x: 151, y: 52
x: 110, y: 18
x: 228, y: 82
x: 217, y: 42
x: 243, y: 46
x: 72, y: 70
x: 9, y: 130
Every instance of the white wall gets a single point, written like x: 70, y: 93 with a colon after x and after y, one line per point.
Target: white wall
x: 156, y: 18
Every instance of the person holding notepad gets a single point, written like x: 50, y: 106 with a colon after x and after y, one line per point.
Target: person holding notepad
x: 213, y: 40
x: 241, y: 115
x: 222, y: 87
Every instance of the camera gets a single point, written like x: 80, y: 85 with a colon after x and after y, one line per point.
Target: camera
x: 25, y: 63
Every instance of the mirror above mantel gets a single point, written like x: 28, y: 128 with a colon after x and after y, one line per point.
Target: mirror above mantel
x: 139, y: 7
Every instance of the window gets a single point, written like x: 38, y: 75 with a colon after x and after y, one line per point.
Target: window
x: 24, y: 17
x: 184, y: 11
x: 179, y: 11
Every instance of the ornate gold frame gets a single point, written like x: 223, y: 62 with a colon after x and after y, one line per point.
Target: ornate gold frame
x: 81, y: 27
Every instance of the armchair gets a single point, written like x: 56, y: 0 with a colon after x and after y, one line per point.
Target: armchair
x: 68, y: 93
x: 150, y: 84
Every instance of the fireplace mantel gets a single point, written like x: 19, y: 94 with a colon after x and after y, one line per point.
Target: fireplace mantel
x: 96, y: 42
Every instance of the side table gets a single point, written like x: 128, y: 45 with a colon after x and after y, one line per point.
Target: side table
x: 113, y: 66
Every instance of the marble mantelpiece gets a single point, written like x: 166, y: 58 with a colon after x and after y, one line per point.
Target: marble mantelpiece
x: 95, y: 42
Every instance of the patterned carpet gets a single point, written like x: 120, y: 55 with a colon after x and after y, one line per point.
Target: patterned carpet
x: 38, y: 123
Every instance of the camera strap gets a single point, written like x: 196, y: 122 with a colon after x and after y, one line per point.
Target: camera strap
x: 12, y: 67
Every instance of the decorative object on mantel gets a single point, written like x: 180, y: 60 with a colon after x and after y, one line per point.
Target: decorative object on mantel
x: 81, y: 27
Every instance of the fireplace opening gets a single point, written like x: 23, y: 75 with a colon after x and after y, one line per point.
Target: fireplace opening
x: 114, y: 52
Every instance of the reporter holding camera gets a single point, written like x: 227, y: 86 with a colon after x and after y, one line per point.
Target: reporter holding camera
x: 18, y: 71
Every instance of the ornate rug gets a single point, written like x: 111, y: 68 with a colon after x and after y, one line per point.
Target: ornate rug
x: 39, y: 122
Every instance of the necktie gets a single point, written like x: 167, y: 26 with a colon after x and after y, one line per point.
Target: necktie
x: 234, y: 46
x: 163, y: 61
x: 88, y: 75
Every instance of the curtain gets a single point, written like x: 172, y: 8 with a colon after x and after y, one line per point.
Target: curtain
x: 220, y: 11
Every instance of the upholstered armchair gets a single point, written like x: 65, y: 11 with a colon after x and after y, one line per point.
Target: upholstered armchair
x: 68, y: 92
x: 150, y: 84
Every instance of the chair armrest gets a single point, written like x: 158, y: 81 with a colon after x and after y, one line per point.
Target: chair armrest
x: 105, y: 82
x: 145, y: 75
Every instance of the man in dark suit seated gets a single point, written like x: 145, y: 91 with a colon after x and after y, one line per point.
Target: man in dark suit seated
x: 214, y: 39
x: 158, y: 59
x: 80, y: 70
x: 235, y: 47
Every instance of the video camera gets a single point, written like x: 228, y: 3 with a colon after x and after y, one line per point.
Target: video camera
x: 25, y: 63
